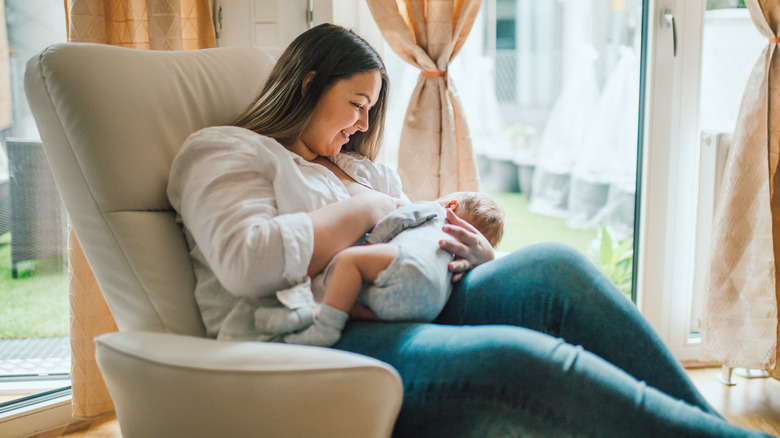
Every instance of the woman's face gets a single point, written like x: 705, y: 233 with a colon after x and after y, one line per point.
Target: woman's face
x: 341, y: 111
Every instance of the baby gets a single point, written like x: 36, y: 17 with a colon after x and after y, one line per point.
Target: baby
x: 401, y: 274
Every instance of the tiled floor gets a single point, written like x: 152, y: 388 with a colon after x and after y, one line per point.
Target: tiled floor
x: 42, y: 357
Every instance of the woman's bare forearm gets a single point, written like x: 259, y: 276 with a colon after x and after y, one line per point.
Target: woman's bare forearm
x: 339, y: 225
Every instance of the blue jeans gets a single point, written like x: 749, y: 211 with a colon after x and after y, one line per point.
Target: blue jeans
x: 537, y: 343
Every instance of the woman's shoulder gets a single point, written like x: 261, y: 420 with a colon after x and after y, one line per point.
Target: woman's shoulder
x: 232, y: 145
x: 227, y: 136
x: 217, y: 151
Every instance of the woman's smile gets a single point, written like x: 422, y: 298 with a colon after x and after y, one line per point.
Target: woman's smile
x: 341, y: 111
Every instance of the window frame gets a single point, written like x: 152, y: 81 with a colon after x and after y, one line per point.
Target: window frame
x: 50, y: 410
x: 670, y: 174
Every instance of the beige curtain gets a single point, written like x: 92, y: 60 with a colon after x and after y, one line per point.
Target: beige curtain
x: 740, y: 319
x: 89, y: 317
x: 5, y: 77
x: 141, y: 24
x: 435, y: 156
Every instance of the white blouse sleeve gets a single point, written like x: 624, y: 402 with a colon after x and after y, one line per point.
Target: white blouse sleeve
x: 222, y: 186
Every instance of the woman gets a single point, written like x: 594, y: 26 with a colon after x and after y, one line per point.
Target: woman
x: 535, y: 343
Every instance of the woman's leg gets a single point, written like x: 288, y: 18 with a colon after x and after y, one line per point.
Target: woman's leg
x: 554, y: 289
x: 505, y: 381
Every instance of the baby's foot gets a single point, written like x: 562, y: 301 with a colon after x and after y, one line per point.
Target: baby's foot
x: 325, y: 331
x: 281, y: 320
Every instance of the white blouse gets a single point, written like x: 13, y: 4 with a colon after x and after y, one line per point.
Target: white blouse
x: 243, y: 198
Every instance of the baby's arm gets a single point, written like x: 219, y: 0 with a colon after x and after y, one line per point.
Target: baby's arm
x: 353, y: 267
x: 402, y: 218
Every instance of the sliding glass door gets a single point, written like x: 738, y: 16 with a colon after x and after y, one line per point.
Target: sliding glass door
x: 34, y: 348
x: 552, y: 94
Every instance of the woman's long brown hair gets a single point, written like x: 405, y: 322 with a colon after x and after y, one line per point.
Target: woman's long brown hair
x: 281, y: 111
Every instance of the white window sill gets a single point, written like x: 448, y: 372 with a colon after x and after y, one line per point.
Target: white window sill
x: 42, y: 416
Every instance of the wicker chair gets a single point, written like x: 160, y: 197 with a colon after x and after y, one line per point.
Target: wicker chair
x: 5, y: 206
x: 38, y: 221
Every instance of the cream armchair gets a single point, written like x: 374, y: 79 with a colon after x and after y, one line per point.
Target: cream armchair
x: 111, y: 120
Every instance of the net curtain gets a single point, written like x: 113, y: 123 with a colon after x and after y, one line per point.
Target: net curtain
x: 740, y: 325
x: 139, y: 24
x: 5, y: 79
x: 435, y: 155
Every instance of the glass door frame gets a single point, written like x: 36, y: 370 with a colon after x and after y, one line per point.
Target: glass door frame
x: 669, y: 191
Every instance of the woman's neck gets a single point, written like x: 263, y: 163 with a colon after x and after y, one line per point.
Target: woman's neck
x: 319, y: 159
x: 299, y: 148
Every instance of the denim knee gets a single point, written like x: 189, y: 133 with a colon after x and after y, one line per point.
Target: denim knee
x: 475, y: 381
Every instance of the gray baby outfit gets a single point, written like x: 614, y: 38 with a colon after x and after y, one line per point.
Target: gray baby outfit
x: 417, y: 284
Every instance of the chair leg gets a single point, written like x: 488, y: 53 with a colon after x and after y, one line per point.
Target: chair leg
x: 14, y: 271
x: 725, y: 376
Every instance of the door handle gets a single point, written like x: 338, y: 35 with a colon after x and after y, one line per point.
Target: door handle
x: 216, y: 17
x: 309, y: 14
x: 667, y: 20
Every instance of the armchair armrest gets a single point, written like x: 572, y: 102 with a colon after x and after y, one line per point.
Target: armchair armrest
x: 213, y: 388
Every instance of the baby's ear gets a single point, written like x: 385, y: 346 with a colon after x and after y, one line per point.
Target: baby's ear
x: 452, y: 205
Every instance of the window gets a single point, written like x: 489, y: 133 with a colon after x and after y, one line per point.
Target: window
x: 34, y: 348
x: 511, y: 76
x: 700, y: 91
x: 551, y: 91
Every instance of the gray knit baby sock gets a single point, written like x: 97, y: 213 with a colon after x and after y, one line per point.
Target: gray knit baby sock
x: 325, y: 331
x: 281, y: 320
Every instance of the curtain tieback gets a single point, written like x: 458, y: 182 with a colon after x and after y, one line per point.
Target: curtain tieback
x: 434, y: 73
x: 774, y: 40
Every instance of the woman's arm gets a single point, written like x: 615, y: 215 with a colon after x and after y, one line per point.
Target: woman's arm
x: 339, y: 225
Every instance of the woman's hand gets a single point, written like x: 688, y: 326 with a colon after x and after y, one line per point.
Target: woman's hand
x: 470, y: 249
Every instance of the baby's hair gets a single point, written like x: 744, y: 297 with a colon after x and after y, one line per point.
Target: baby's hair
x: 481, y: 212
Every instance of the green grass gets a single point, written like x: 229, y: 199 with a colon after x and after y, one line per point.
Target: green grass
x: 35, y: 305
x: 523, y: 228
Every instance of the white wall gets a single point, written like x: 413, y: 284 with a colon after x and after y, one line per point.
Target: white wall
x: 273, y: 24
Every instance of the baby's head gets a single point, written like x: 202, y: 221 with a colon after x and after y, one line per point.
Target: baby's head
x: 478, y: 210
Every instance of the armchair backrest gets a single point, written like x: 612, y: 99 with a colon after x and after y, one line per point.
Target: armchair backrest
x: 111, y: 120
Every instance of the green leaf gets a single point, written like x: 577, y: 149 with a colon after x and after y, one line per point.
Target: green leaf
x: 606, y: 247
